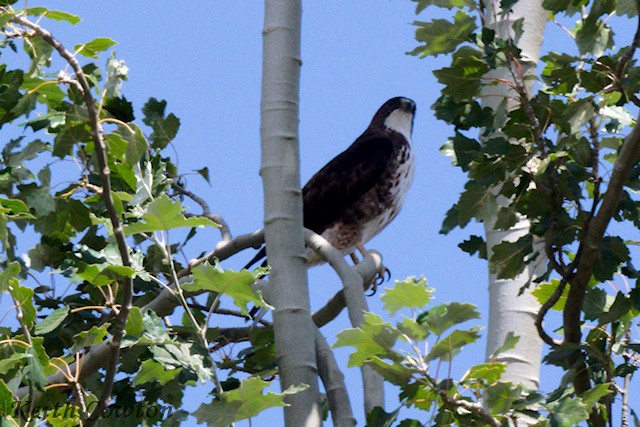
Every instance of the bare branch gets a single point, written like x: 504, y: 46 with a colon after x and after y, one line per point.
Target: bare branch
x: 333, y: 380
x: 353, y: 280
x: 553, y: 299
x: 225, y: 231
x: 624, y: 60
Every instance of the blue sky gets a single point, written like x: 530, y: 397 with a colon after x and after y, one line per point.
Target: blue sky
x: 204, y: 58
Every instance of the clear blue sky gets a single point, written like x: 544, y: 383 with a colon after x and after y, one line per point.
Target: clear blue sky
x: 204, y: 58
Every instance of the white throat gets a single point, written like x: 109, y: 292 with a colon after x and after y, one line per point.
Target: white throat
x: 400, y: 121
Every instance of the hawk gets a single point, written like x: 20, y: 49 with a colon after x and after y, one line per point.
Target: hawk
x: 358, y: 193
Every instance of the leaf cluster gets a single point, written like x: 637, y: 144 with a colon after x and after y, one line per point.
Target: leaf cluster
x: 412, y: 351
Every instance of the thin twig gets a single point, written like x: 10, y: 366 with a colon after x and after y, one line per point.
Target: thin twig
x: 624, y: 60
x: 553, y: 299
x: 225, y: 232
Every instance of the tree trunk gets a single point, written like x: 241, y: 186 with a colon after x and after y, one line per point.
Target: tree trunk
x: 280, y: 171
x: 509, y: 311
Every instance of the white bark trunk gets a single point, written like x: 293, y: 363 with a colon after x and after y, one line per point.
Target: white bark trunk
x: 280, y: 171
x: 510, y: 312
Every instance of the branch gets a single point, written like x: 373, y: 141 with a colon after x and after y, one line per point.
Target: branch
x: 368, y: 267
x: 353, y: 280
x: 225, y: 232
x: 590, y: 246
x: 620, y: 69
x: 105, y: 178
x: 333, y: 380
x: 553, y: 299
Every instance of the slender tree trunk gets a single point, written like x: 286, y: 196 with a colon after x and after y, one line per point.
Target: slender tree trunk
x: 509, y: 311
x: 280, y: 171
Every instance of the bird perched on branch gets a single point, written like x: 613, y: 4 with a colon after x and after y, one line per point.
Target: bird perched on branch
x: 360, y: 191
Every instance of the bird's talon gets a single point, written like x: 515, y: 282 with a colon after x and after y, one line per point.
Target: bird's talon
x: 373, y: 289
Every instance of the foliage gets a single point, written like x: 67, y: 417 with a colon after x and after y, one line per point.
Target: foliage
x: 412, y: 352
x: 565, y: 158
x: 101, y: 194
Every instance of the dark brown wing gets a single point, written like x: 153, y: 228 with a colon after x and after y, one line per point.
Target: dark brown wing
x: 339, y: 185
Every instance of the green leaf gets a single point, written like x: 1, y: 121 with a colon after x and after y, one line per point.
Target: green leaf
x: 164, y: 129
x: 66, y: 417
x: 410, y: 293
x: 56, y: 15
x: 30, y: 152
x: 48, y: 91
x: 500, y: 397
x: 567, y: 412
x: 137, y: 144
x: 544, y: 291
x: 595, y: 302
x: 5, y: 18
x: 508, y: 258
x: 120, y: 108
x: 593, y: 396
x: 7, y: 402
x: 593, y: 37
x: 442, y: 317
x: 244, y: 402
x: 449, y: 4
x: 92, y: 48
x: 373, y: 338
x: 135, y: 323
x: 379, y: 418
x: 23, y: 297
x: 165, y: 214
x: 116, y: 73
x: 93, y: 336
x: 11, y: 362
x: 451, y: 345
x: 488, y: 373
x: 70, y: 135
x: 235, y: 284
x: 182, y: 355
x: 104, y: 274
x: 35, y: 376
x: 627, y: 7
x: 557, y: 6
x: 9, y: 276
x: 395, y: 373
x: 413, y: 329
x: 52, y: 321
x: 204, y: 172
x: 579, y: 113
x: 466, y: 150
x: 475, y: 244
x: 441, y: 36
x: 152, y: 371
x: 476, y: 202
x: 613, y: 252
x: 464, y: 78
x: 621, y: 306
x: 509, y: 343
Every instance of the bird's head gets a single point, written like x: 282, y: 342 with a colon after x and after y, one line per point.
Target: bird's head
x: 396, y: 115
